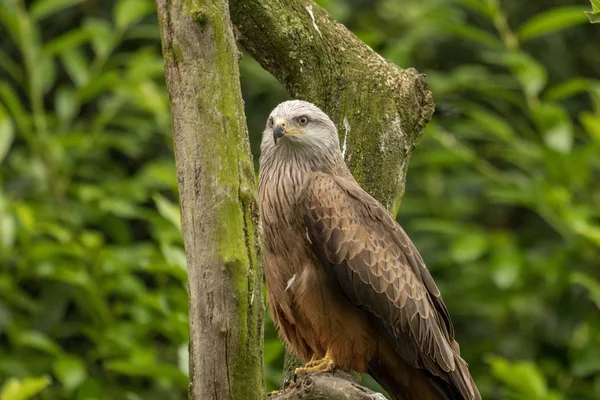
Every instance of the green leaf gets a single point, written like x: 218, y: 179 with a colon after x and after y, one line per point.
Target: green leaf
x: 183, y: 359
x: 45, y: 8
x: 7, y: 226
x: 15, y: 389
x: 47, y: 79
x: 550, y: 21
x: 587, y: 361
x: 523, y: 378
x: 168, y: 210
x: 7, y: 132
x: 591, y: 284
x: 95, y: 389
x: 438, y: 226
x: 555, y: 125
x: 120, y: 207
x: 30, y: 42
x: 469, y: 246
x: 70, y: 371
x: 91, y: 239
x: 505, y: 261
x: 67, y: 41
x: 531, y: 73
x: 76, y: 65
x: 7, y: 231
x: 566, y: 89
x: 129, y: 12
x: 594, y: 15
x: 492, y: 123
x: 39, y: 341
x: 482, y: 8
x: 587, y: 229
x: 9, y: 20
x: 12, y: 68
x: 148, y: 369
x: 104, y: 82
x: 159, y: 174
x: 102, y: 35
x: 475, y: 34
x: 174, y: 255
x: 12, y: 102
x: 591, y: 124
x: 66, y: 103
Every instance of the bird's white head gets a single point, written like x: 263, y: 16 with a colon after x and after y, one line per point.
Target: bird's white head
x: 298, y: 125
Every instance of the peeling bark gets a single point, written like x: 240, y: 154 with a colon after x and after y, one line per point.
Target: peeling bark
x: 218, y: 200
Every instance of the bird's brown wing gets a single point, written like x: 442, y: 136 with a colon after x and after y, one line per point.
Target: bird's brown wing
x: 379, y: 270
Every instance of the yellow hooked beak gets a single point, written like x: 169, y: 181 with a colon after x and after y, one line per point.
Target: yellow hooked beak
x: 280, y: 130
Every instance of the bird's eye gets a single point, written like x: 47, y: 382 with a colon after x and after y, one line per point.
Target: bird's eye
x: 270, y: 122
x: 302, y: 120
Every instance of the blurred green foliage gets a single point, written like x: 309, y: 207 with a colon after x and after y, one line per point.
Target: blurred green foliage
x: 17, y: 389
x: 93, y: 279
x: 502, y: 199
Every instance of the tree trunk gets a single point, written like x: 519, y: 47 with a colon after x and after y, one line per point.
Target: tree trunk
x: 218, y: 200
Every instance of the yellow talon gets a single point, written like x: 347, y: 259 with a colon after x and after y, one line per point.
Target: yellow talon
x: 326, y: 364
x: 313, y: 361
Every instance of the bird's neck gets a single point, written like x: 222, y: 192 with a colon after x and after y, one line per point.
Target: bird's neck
x: 285, y: 171
x: 298, y: 162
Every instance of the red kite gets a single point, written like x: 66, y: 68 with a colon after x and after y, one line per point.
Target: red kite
x: 347, y: 287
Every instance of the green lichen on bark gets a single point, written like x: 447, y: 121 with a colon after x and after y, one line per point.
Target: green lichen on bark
x: 218, y: 199
x: 177, y: 53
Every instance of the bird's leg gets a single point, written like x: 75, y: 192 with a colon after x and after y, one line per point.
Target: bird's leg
x: 314, y: 360
x: 326, y: 364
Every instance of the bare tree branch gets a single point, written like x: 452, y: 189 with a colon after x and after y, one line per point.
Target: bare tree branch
x: 327, y: 386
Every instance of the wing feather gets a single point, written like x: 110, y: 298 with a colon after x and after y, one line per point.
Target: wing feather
x: 379, y: 269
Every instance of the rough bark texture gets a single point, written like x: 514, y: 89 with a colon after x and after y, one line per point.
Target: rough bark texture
x: 380, y: 110
x: 218, y: 202
x: 327, y: 386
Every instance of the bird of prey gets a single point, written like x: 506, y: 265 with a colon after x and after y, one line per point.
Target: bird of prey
x: 346, y: 286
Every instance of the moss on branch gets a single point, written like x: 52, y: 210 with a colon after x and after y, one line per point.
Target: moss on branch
x: 380, y: 110
x: 218, y: 199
